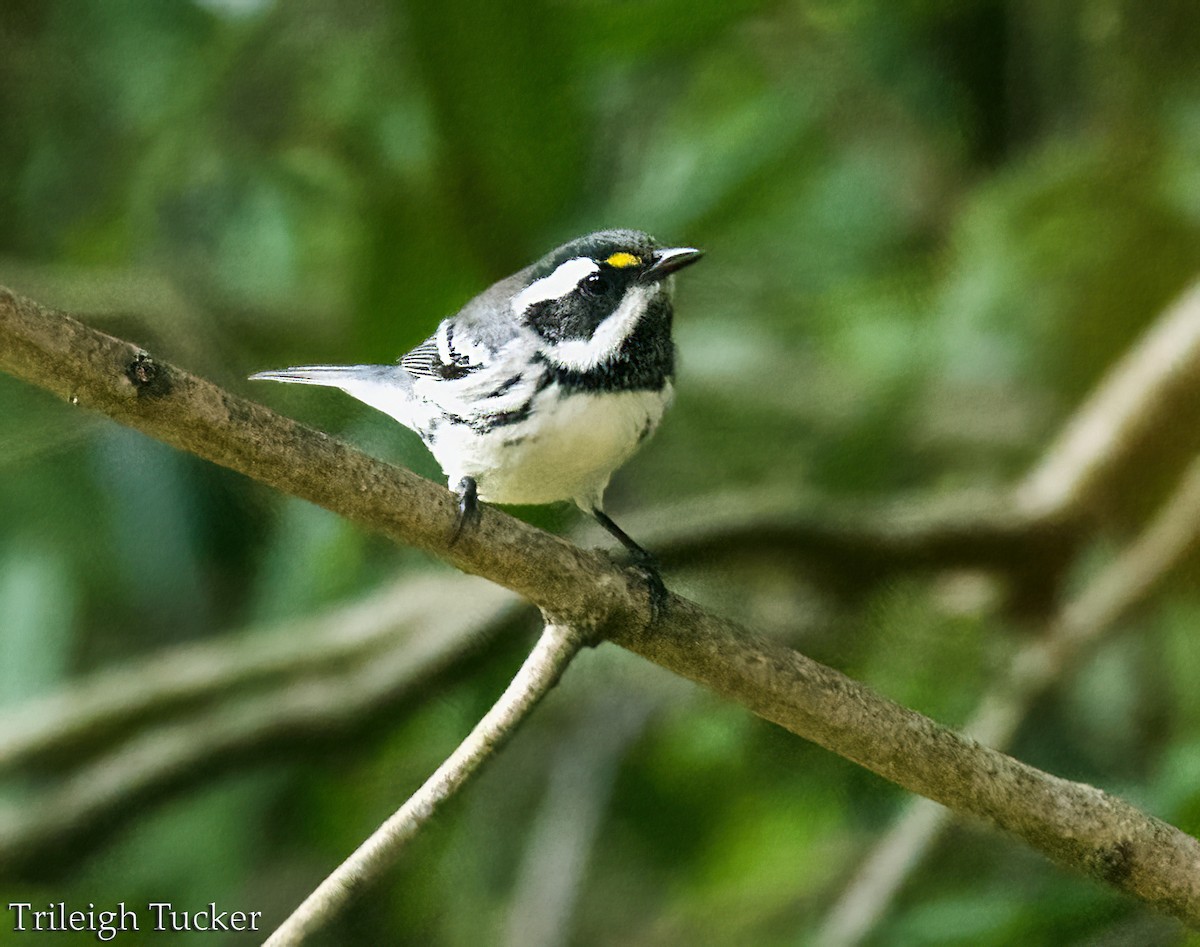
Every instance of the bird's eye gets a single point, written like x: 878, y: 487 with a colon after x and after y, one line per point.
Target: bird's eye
x: 597, y: 284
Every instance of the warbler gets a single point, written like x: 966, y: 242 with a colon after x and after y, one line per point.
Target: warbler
x: 539, y: 388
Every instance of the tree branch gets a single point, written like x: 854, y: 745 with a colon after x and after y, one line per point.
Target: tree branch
x: 1076, y: 825
x: 554, y: 650
x: 1081, y: 624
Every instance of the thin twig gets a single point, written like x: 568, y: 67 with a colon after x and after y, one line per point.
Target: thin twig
x: 554, y: 650
x: 1097, y: 612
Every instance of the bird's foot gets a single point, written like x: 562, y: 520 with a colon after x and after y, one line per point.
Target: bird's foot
x: 647, y: 567
x: 468, y: 507
x: 642, y: 562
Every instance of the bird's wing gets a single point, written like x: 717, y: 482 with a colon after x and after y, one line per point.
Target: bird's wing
x: 462, y: 345
x: 478, y: 366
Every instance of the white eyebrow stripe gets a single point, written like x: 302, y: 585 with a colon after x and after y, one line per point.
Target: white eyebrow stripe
x: 555, y: 286
x: 582, y: 355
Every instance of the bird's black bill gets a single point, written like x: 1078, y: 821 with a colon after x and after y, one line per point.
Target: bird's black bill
x: 669, y: 261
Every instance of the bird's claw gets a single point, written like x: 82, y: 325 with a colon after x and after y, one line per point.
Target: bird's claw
x: 659, y: 596
x: 647, y: 567
x: 468, y: 507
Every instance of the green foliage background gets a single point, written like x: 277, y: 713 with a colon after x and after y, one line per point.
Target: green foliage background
x: 931, y: 225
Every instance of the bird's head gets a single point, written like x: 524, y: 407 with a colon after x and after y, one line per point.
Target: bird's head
x: 588, y: 297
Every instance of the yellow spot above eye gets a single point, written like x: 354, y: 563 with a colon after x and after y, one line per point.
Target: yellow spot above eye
x: 622, y: 260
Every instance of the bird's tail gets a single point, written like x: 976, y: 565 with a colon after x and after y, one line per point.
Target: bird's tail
x: 385, y: 387
x: 334, y: 376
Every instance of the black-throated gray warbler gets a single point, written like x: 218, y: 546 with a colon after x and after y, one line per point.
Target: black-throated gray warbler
x: 543, y: 385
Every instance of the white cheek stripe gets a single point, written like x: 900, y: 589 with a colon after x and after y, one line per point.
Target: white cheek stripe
x: 582, y: 355
x: 555, y: 286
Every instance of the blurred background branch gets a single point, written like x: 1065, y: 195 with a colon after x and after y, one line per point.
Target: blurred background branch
x: 62, y: 730
x: 1139, y: 404
x: 145, y: 733
x: 555, y: 649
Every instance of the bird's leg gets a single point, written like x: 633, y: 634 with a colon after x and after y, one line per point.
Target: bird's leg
x: 468, y: 506
x: 640, y: 555
x: 643, y: 561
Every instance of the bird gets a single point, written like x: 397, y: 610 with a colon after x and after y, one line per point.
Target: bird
x: 543, y: 385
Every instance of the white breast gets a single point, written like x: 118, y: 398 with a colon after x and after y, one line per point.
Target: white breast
x: 567, y: 449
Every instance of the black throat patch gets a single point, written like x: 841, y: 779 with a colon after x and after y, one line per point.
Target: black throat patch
x: 644, y: 362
